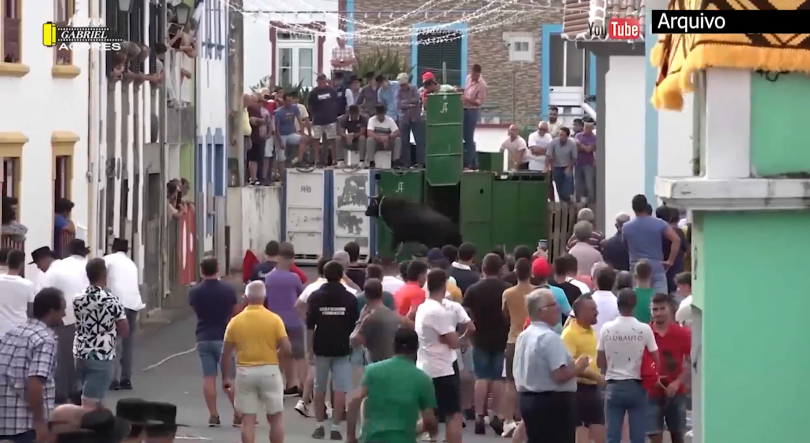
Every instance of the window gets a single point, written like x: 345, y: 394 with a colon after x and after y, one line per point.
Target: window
x: 62, y: 143
x: 521, y: 48
x: 218, y: 34
x: 295, y: 36
x: 11, y: 41
x: 442, y: 59
x: 64, y: 10
x: 11, y: 147
x: 567, y: 63
x: 295, y: 64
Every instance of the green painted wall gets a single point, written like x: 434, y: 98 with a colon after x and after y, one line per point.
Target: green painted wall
x: 778, y: 112
x: 754, y: 368
x: 187, y: 166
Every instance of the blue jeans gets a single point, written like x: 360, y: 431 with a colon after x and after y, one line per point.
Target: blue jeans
x: 585, y: 182
x: 626, y: 397
x: 93, y: 378
x: 417, y: 127
x: 670, y: 411
x: 564, y: 183
x: 470, y: 121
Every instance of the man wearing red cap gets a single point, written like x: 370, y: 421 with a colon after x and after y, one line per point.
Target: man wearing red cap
x: 541, y: 271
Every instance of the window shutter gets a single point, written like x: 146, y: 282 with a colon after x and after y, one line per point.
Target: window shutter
x: 429, y: 56
x: 437, y: 56
x: 451, y: 56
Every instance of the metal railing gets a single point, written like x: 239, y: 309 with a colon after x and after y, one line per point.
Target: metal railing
x: 63, y: 243
x: 13, y: 242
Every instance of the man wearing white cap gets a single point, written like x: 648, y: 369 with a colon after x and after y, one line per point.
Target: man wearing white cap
x: 409, y: 110
x: 538, y: 142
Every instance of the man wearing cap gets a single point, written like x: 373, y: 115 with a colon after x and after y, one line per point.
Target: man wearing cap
x: 352, y: 133
x: 43, y: 258
x: 382, y: 135
x: 409, y: 110
x: 436, y: 260
x: 69, y: 276
x: 538, y: 142
x: 122, y: 279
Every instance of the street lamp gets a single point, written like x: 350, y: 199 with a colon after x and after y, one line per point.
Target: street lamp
x: 124, y: 5
x: 182, y: 11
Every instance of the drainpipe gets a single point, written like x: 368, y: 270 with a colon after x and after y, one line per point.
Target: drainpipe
x: 162, y: 96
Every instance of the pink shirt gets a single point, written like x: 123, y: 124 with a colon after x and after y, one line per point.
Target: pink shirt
x: 475, y: 90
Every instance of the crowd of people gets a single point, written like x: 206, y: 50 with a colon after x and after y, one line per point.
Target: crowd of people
x: 588, y: 347
x: 66, y: 340
x: 346, y: 120
x: 568, y: 154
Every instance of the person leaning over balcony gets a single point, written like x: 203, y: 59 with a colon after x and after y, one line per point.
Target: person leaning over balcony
x: 11, y: 227
x: 62, y: 225
x: 474, y: 96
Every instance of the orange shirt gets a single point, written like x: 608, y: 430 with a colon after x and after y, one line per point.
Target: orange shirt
x: 410, y: 295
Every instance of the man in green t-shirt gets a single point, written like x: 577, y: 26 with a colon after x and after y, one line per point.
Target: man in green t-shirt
x: 644, y: 291
x: 396, y: 392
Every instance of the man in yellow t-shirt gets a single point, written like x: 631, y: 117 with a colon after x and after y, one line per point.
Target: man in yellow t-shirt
x: 259, y: 339
x: 580, y: 340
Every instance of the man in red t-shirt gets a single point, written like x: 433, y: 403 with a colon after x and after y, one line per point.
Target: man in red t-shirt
x: 411, y: 295
x: 667, y: 399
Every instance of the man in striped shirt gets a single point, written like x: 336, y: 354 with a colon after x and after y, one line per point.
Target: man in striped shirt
x: 475, y: 94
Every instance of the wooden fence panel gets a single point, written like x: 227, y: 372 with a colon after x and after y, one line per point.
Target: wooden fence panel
x: 563, y: 217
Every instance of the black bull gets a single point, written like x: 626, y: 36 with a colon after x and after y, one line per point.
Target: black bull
x: 412, y: 222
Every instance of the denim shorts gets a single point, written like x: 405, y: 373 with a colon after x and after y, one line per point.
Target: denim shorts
x: 488, y: 365
x: 667, y: 410
x: 93, y: 378
x: 340, y: 370
x: 210, y: 353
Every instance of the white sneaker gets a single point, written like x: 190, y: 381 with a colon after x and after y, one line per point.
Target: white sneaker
x: 303, y: 409
x: 509, y: 427
x: 341, y: 164
x: 328, y: 411
x: 361, y: 165
x: 688, y: 434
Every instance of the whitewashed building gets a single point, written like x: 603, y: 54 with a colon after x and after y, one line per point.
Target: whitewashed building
x: 288, y: 44
x: 212, y: 123
x: 43, y: 119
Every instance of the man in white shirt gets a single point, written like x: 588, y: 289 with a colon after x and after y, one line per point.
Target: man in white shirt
x: 43, y: 258
x: 382, y: 134
x: 69, y: 276
x: 620, y: 348
x: 517, y: 149
x: 606, y: 303
x: 554, y: 123
x: 391, y: 282
x: 123, y: 282
x: 438, y: 339
x: 538, y: 142
x: 16, y: 293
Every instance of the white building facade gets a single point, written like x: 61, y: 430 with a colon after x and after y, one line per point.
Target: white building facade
x: 213, y: 106
x: 288, y: 46
x: 43, y: 119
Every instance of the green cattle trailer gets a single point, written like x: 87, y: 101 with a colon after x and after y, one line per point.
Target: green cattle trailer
x: 493, y: 210
x: 407, y: 184
x: 444, y: 148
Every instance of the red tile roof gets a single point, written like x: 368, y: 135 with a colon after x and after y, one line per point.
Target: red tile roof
x: 578, y: 14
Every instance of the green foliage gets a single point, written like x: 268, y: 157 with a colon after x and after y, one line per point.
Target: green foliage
x: 388, y: 63
x: 263, y: 83
x: 303, y: 92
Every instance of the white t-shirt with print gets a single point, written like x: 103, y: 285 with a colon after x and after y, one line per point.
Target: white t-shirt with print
x: 538, y: 162
x: 386, y: 127
x: 434, y: 358
x: 623, y: 340
x: 391, y: 284
x: 460, y: 317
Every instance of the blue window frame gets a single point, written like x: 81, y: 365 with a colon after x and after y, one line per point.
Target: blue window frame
x: 219, y: 170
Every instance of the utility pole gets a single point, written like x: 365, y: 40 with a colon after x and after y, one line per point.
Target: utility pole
x: 162, y: 96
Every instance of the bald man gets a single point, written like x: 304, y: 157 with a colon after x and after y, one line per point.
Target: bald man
x: 65, y: 418
x: 586, y: 214
x: 516, y: 147
x: 538, y: 142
